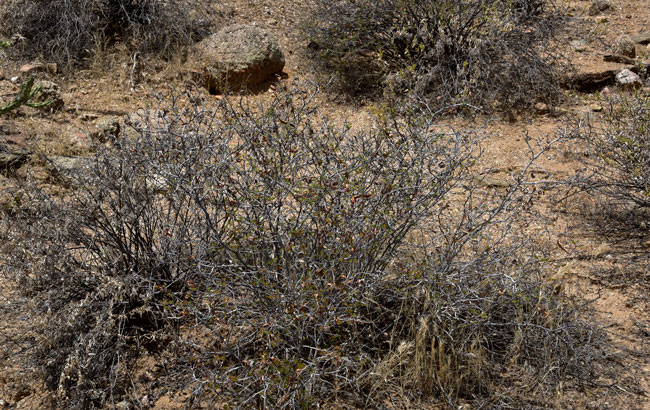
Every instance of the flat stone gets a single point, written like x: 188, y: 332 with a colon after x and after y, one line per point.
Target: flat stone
x: 145, y: 120
x: 491, y: 182
x: 616, y: 58
x: 69, y: 169
x: 592, y: 81
x: 641, y: 38
x: 38, y: 68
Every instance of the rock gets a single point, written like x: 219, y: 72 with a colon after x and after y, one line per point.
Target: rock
x: 239, y: 56
x: 624, y: 46
x: 3, y: 404
x: 69, y: 169
x: 541, y: 108
x: 49, y: 92
x: 598, y: 6
x: 123, y: 405
x: 628, y: 79
x: 641, y: 38
x: 579, y: 45
x: 38, y: 68
x: 12, y: 156
x: 592, y: 81
x: 106, y: 130
x: 145, y: 120
x: 596, y: 107
x: 14, y: 79
x: 492, y: 182
x: 615, y: 58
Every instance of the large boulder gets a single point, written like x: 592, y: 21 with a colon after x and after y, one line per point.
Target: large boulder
x: 239, y: 56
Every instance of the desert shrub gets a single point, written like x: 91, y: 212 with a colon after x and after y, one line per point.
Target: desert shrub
x: 618, y: 153
x: 67, y: 32
x: 491, y: 53
x: 268, y: 258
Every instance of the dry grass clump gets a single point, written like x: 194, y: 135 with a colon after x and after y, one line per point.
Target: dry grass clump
x: 496, y: 53
x: 68, y: 32
x: 267, y: 258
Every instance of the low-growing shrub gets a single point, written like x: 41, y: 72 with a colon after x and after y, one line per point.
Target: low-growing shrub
x: 496, y: 53
x: 68, y: 32
x: 266, y: 258
x: 618, y: 153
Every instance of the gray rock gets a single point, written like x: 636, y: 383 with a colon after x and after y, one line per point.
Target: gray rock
x: 628, y: 80
x: 598, y: 6
x: 239, y: 56
x: 144, y: 120
x: 579, y: 45
x: 147, y: 119
x: 69, y: 169
x: 624, y: 46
